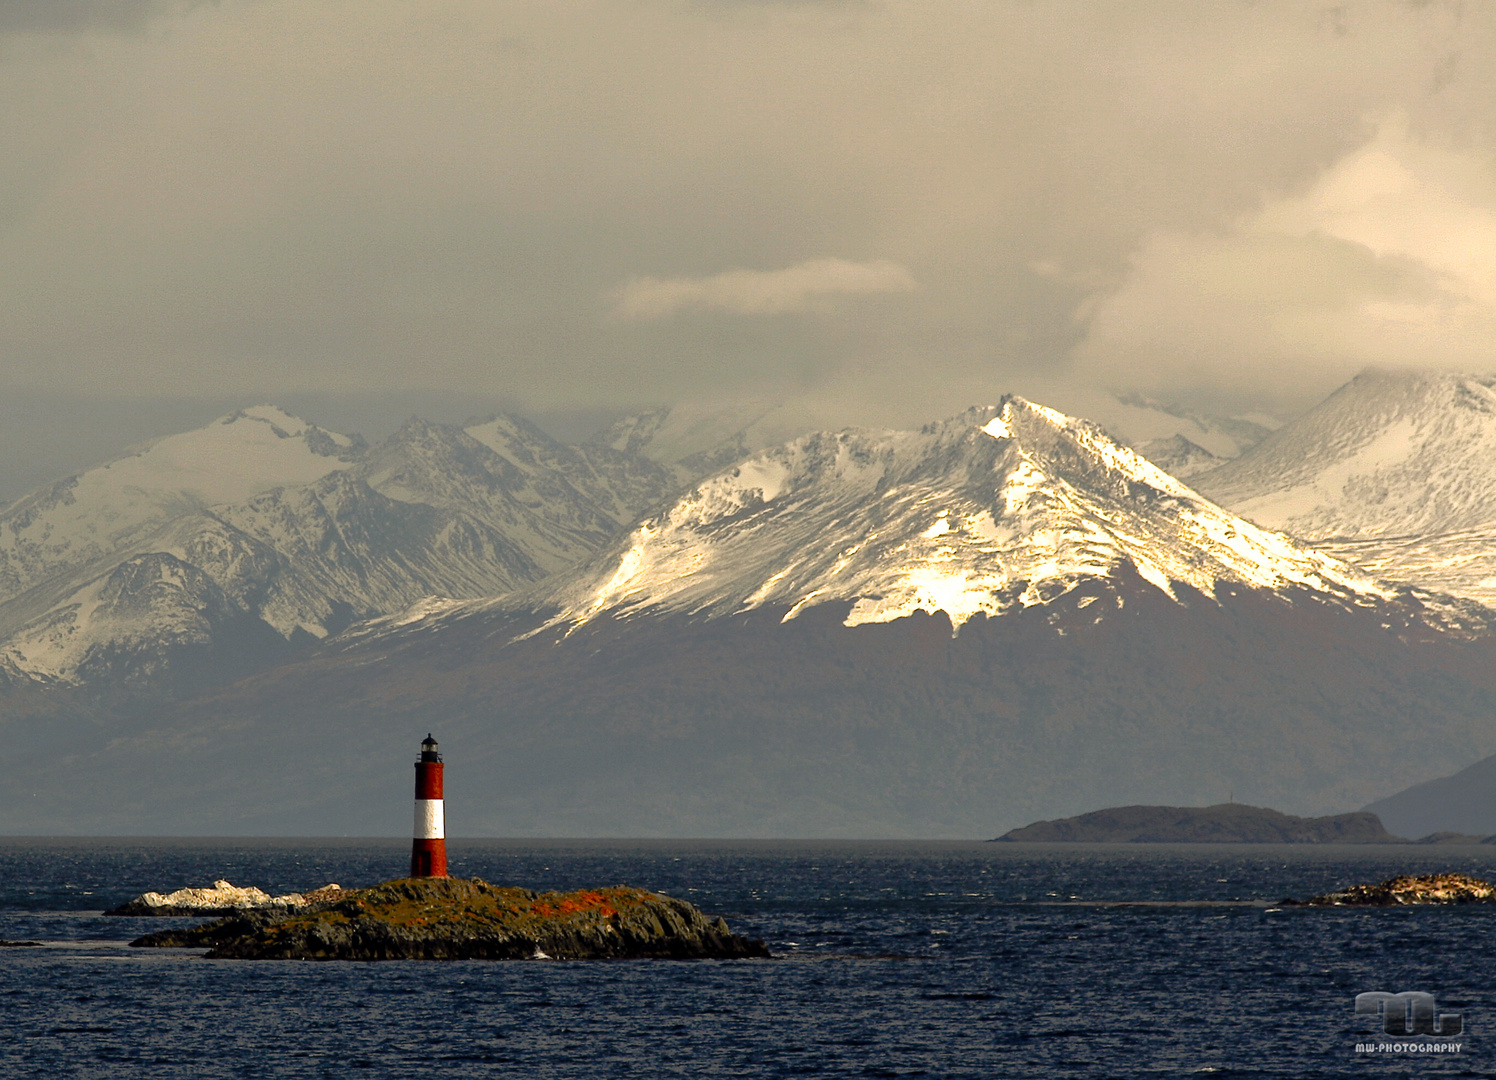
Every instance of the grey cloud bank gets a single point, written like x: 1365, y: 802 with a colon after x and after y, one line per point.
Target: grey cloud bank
x: 876, y: 213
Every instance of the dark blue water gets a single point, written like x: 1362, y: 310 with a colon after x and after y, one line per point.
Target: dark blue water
x: 891, y: 960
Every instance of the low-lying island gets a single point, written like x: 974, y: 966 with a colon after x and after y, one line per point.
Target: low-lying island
x: 468, y: 919
x: 1405, y: 889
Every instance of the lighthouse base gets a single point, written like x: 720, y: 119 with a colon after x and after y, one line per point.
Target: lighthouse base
x: 428, y: 858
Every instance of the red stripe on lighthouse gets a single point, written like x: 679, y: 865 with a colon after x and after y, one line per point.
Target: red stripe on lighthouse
x: 428, y: 850
x: 428, y: 780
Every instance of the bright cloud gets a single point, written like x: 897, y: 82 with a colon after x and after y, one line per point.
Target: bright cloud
x: 758, y: 292
x: 1388, y: 258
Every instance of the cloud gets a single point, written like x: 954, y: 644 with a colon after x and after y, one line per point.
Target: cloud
x: 1386, y: 258
x: 758, y: 292
x: 260, y: 196
x: 76, y: 16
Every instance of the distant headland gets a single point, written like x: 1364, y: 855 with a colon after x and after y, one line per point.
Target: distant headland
x: 1224, y: 823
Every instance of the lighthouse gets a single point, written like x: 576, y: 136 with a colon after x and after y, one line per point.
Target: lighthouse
x: 428, y: 849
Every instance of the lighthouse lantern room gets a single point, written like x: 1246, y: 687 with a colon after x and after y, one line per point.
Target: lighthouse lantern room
x: 428, y: 851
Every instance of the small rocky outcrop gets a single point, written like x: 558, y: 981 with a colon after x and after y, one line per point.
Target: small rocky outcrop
x: 1225, y: 823
x: 469, y: 919
x: 1405, y: 889
x: 4, y: 944
x: 223, y: 898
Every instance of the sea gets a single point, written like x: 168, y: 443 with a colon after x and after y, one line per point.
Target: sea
x: 890, y: 959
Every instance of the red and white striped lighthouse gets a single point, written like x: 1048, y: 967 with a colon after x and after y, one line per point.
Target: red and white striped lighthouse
x: 428, y: 850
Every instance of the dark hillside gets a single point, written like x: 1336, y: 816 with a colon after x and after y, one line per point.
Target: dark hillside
x: 750, y: 726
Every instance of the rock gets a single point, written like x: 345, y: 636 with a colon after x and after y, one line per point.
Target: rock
x: 1224, y: 823
x: 1405, y: 889
x: 19, y: 944
x: 221, y: 899
x: 469, y: 919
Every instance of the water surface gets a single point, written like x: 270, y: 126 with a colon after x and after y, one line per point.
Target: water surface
x: 933, y: 959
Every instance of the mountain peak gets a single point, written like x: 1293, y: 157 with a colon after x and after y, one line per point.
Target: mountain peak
x: 1179, y: 457
x: 1000, y: 507
x: 111, y: 506
x: 685, y: 434
x: 1388, y: 454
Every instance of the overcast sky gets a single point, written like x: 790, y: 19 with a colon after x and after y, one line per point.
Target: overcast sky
x: 879, y: 212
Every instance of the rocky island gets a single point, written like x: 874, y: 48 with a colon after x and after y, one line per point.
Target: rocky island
x: 1405, y: 889
x: 1224, y: 823
x: 467, y: 919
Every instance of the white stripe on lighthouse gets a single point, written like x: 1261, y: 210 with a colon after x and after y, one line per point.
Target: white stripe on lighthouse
x: 430, y: 823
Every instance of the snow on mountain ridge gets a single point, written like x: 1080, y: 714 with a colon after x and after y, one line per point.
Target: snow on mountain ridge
x: 234, y: 457
x: 1001, y: 506
x: 86, y: 517
x: 1388, y: 454
x: 1394, y: 472
x: 672, y: 434
x: 297, y: 530
x: 619, y: 481
x: 1179, y: 457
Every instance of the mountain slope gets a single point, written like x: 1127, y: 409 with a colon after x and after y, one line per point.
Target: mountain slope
x: 1179, y: 457
x: 693, y: 440
x: 535, y: 508
x: 1154, y: 427
x: 751, y: 725
x: 1460, y: 563
x: 622, y: 483
x: 1462, y: 803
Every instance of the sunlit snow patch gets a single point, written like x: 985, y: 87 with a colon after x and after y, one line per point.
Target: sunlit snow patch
x: 959, y: 593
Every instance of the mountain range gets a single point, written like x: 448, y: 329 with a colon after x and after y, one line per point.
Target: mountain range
x: 261, y: 532
x: 1001, y: 617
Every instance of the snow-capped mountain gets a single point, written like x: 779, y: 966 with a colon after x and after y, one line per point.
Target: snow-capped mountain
x: 1395, y: 472
x: 1000, y: 507
x: 947, y: 632
x: 619, y: 482
x: 1179, y: 457
x: 262, y: 517
x: 693, y: 440
x: 1385, y: 455
x: 509, y: 476
x: 88, y: 517
x: 1190, y: 439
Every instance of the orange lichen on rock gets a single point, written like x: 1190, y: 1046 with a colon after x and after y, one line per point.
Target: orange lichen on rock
x: 581, y: 900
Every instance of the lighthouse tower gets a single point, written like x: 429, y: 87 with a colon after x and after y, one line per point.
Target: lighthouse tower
x: 428, y: 850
